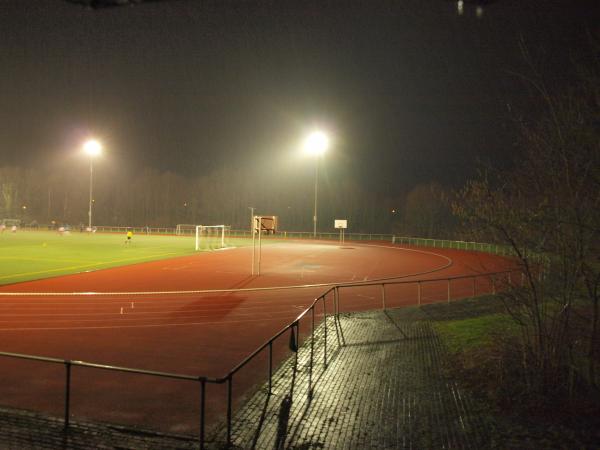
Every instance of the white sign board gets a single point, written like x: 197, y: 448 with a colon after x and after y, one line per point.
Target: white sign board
x: 341, y: 223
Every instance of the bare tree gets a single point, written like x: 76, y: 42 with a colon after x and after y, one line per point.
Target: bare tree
x: 547, y: 209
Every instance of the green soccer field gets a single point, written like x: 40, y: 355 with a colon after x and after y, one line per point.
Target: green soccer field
x: 29, y: 255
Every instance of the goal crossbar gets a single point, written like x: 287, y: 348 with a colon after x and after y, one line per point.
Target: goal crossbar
x: 212, y: 236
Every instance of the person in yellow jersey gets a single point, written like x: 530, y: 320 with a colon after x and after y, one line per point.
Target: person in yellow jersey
x: 129, y: 236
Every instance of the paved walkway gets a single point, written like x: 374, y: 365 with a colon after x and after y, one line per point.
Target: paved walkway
x: 383, y: 389
x: 22, y: 430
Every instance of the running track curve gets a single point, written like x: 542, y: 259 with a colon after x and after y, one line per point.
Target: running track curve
x: 204, y: 333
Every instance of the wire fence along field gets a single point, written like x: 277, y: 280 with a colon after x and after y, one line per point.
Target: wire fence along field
x: 324, y: 309
x: 189, y: 230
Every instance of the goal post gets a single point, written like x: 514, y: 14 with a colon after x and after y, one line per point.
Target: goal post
x: 261, y: 225
x: 212, y: 237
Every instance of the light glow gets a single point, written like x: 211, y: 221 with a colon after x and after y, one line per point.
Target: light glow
x: 316, y: 143
x: 92, y: 147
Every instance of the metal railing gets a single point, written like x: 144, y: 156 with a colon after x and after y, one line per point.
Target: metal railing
x: 455, y: 245
x: 332, y: 293
x: 69, y: 364
x: 233, y: 232
x: 498, y: 280
x: 202, y: 380
x: 136, y: 230
x: 496, y: 249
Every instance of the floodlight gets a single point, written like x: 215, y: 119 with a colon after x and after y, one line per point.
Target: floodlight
x: 92, y: 147
x: 316, y: 143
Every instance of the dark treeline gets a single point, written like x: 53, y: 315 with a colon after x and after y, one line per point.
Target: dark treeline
x: 164, y: 199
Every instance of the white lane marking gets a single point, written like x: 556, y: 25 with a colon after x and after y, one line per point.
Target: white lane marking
x: 162, y: 325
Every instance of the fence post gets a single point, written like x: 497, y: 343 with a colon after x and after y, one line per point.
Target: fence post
x: 202, y: 410
x: 229, y: 383
x: 312, y: 350
x: 67, y: 395
x: 325, y: 332
x: 297, y: 343
x: 270, y: 366
x: 448, y: 290
x: 383, y: 295
x: 336, y: 293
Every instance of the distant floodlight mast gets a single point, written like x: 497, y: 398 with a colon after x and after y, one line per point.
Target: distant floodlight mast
x: 316, y: 144
x: 92, y: 148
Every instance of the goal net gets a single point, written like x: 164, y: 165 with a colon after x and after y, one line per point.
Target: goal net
x: 212, y: 237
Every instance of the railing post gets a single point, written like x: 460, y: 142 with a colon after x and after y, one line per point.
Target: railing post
x: 419, y: 293
x: 229, y: 388
x: 297, y: 343
x: 202, y: 410
x: 448, y: 290
x: 312, y: 350
x: 325, y: 332
x: 383, y: 295
x: 270, y: 366
x: 67, y: 395
x: 336, y: 294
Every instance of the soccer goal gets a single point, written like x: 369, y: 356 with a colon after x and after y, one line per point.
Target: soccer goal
x: 212, y: 237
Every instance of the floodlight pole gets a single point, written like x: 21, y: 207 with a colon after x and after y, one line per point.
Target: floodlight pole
x: 316, y: 144
x: 252, y: 226
x: 91, y: 185
x: 253, y: 246
x: 316, y: 192
x: 92, y: 148
x: 251, y: 208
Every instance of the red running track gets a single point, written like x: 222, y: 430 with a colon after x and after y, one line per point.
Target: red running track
x: 194, y: 333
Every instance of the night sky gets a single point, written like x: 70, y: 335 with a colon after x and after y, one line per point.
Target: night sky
x: 410, y: 90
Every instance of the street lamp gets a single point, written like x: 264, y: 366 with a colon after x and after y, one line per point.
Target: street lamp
x: 93, y: 148
x: 316, y: 144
